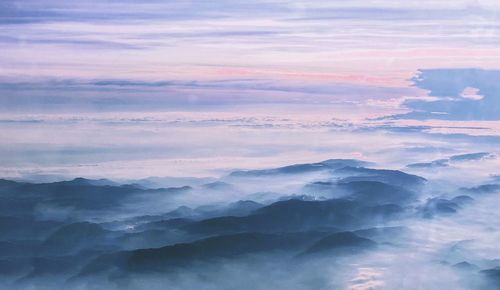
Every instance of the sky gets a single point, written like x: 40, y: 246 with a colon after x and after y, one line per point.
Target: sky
x: 121, y: 89
x: 177, y: 104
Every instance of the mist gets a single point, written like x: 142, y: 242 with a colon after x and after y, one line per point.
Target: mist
x: 332, y: 224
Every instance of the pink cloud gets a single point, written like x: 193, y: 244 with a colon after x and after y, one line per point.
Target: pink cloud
x: 235, y: 72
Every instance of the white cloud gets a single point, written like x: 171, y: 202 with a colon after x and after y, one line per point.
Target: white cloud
x: 471, y: 94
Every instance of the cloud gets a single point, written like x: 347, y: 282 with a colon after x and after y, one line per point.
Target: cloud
x: 30, y: 11
x: 99, y: 44
x: 461, y: 94
x: 306, y: 39
x: 470, y: 156
x: 137, y: 94
x: 455, y: 158
x: 13, y: 12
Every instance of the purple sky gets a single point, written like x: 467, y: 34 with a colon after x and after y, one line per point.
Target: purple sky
x: 199, y: 52
x: 187, y: 87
